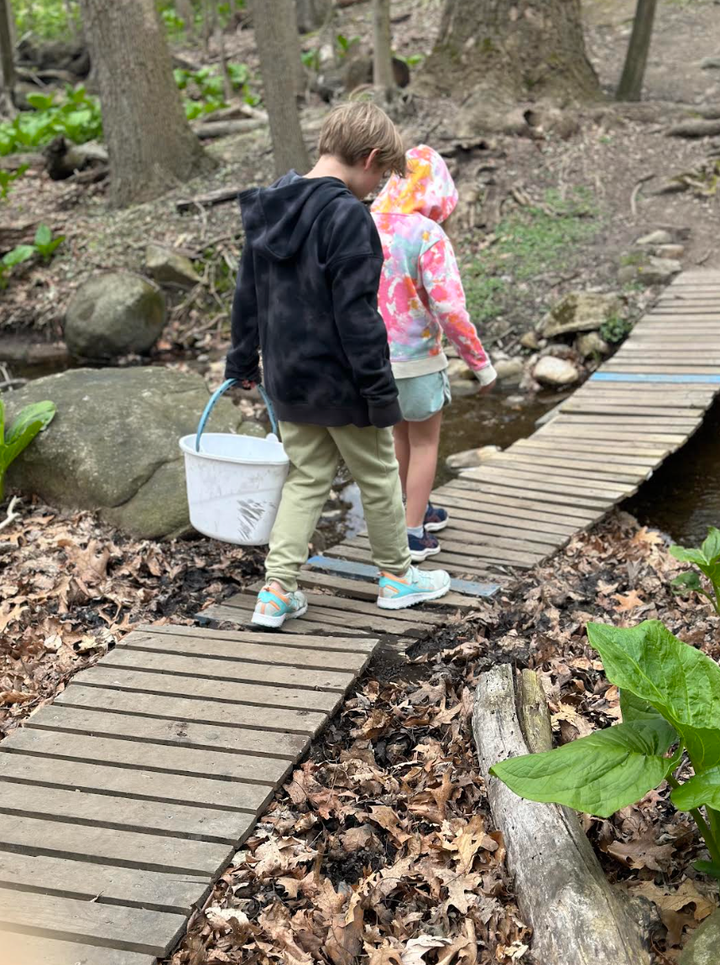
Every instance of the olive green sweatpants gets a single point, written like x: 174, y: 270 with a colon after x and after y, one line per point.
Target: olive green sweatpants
x: 314, y: 453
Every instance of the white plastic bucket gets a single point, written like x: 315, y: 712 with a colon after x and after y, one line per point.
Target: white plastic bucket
x: 234, y: 483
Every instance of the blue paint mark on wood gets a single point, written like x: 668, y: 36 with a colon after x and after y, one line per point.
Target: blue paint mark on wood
x: 349, y: 568
x: 643, y: 377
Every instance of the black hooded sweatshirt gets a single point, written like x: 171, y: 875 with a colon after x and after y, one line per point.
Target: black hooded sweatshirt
x: 306, y: 296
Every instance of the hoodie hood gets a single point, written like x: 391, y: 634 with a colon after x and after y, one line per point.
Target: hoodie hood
x: 428, y: 188
x: 277, y: 219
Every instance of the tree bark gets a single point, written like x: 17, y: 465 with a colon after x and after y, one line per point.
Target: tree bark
x: 279, y: 49
x: 7, y: 57
x: 631, y: 82
x: 383, y: 76
x: 185, y: 11
x: 312, y: 14
x: 523, y: 49
x: 561, y: 889
x: 149, y: 141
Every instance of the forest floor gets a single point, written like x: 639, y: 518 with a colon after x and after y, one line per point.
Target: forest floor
x: 381, y: 844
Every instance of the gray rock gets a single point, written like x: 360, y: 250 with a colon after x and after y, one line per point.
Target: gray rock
x: 113, y: 445
x: 114, y: 314
x: 509, y: 370
x: 470, y: 458
x: 710, y: 63
x: 660, y: 237
x: 590, y: 345
x: 559, y: 351
x: 579, y: 312
x: 169, y: 267
x: 702, y: 949
x: 463, y: 388
x: 658, y: 271
x: 627, y: 274
x: 670, y: 251
x: 458, y: 370
x: 555, y: 372
x: 530, y: 341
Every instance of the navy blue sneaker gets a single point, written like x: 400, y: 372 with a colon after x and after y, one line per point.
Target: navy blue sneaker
x: 421, y: 547
x: 435, y: 519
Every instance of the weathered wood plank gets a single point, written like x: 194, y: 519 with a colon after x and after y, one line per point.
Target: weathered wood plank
x: 364, y: 590
x: 331, y: 619
x: 525, y: 480
x: 150, y: 757
x: 167, y: 731
x: 31, y: 950
x: 345, y: 605
x: 125, y: 848
x: 200, y: 711
x: 537, y: 495
x: 457, y: 566
x: 490, y: 550
x: 318, y: 627
x: 129, y: 814
x: 493, y: 497
x: 112, y: 926
x: 127, y: 782
x: 343, y: 643
x: 472, y: 515
x: 239, y: 671
x: 560, y: 468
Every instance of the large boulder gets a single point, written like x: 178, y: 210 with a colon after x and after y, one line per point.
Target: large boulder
x: 113, y: 445
x: 114, y: 314
x: 579, y: 312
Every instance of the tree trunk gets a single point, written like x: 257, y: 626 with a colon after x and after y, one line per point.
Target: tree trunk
x: 7, y: 58
x: 185, y: 11
x: 631, y: 82
x: 312, y: 14
x: 383, y: 76
x: 277, y: 42
x: 516, y: 50
x: 149, y: 141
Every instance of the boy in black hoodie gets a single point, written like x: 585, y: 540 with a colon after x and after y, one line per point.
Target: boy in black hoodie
x: 306, y: 297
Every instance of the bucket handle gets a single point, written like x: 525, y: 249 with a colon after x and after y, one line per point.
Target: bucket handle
x: 214, y: 398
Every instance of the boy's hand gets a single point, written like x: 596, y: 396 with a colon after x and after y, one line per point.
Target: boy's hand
x: 245, y: 384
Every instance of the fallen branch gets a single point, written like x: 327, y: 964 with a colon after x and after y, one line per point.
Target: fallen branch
x: 213, y: 129
x: 561, y: 889
x: 11, y: 514
x: 695, y: 129
x: 208, y: 200
x: 636, y: 190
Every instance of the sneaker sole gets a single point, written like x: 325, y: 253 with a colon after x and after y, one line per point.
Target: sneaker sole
x: 411, y: 599
x: 262, y: 620
x: 420, y: 557
x: 436, y: 527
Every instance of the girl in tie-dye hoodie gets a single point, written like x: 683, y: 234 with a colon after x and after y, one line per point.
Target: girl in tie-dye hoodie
x: 421, y: 299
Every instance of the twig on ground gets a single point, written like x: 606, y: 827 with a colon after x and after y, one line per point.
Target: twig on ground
x: 11, y: 514
x: 636, y: 190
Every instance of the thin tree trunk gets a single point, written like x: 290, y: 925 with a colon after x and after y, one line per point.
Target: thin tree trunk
x: 382, y: 47
x: 220, y: 39
x: 631, y: 82
x: 187, y: 13
x: 149, y: 141
x: 7, y: 58
x: 278, y: 46
x: 209, y: 11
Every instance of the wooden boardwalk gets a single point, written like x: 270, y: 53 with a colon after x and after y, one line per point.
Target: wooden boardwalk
x: 125, y: 799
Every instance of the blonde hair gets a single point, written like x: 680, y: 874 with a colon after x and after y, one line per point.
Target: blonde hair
x: 354, y: 129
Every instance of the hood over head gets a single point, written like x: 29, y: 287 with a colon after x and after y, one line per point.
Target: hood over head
x: 428, y: 188
x: 277, y: 219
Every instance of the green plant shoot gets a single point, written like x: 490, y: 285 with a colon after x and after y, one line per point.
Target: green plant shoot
x: 26, y: 425
x: 670, y: 702
x: 707, y: 561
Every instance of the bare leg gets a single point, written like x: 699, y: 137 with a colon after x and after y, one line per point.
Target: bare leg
x: 402, y: 451
x: 424, y: 438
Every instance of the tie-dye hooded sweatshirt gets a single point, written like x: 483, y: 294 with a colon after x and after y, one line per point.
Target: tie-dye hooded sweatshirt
x: 421, y: 294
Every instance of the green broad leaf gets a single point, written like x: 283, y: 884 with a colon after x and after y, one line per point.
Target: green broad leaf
x: 29, y: 421
x: 41, y: 102
x: 707, y: 868
x: 676, y: 679
x: 687, y: 555
x: 688, y: 582
x: 703, y: 788
x: 711, y: 545
x: 17, y: 255
x: 598, y: 774
x: 43, y: 235
x: 633, y: 708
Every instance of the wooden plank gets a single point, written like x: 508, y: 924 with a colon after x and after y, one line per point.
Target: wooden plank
x: 474, y: 513
x: 342, y: 643
x: 112, y: 926
x: 456, y: 566
x: 497, y: 504
x: 152, y: 757
x: 364, y: 590
x: 327, y: 601
x: 127, y: 782
x: 216, y: 690
x: 370, y: 624
x: 559, y: 468
x: 128, y: 814
x: 360, y: 618
x: 532, y: 535
x: 239, y: 672
x: 317, y: 627
x: 192, y: 709
x: 635, y: 436
x: 522, y: 479
x: 594, y: 449
x: 537, y: 494
x: 655, y: 369
x: 480, y: 554
x: 463, y: 547
x: 31, y: 950
x: 592, y: 407
x: 280, y: 654
x: 112, y: 846
x: 167, y: 731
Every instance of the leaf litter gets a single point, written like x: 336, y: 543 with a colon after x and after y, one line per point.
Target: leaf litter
x: 380, y: 848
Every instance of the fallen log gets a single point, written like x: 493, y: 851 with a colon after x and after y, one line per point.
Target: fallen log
x: 212, y: 129
x: 208, y: 200
x: 703, y: 128
x: 561, y: 889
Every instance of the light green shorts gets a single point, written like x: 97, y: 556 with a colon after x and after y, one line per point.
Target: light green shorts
x: 422, y: 396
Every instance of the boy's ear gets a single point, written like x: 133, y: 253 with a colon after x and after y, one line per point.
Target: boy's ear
x: 370, y: 159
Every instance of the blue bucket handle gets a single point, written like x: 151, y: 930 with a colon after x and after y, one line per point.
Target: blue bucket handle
x: 221, y: 391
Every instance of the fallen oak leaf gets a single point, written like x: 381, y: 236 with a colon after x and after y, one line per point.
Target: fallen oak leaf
x: 643, y: 852
x: 14, y: 697
x: 388, y: 819
x: 471, y: 839
x: 417, y: 948
x: 630, y: 601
